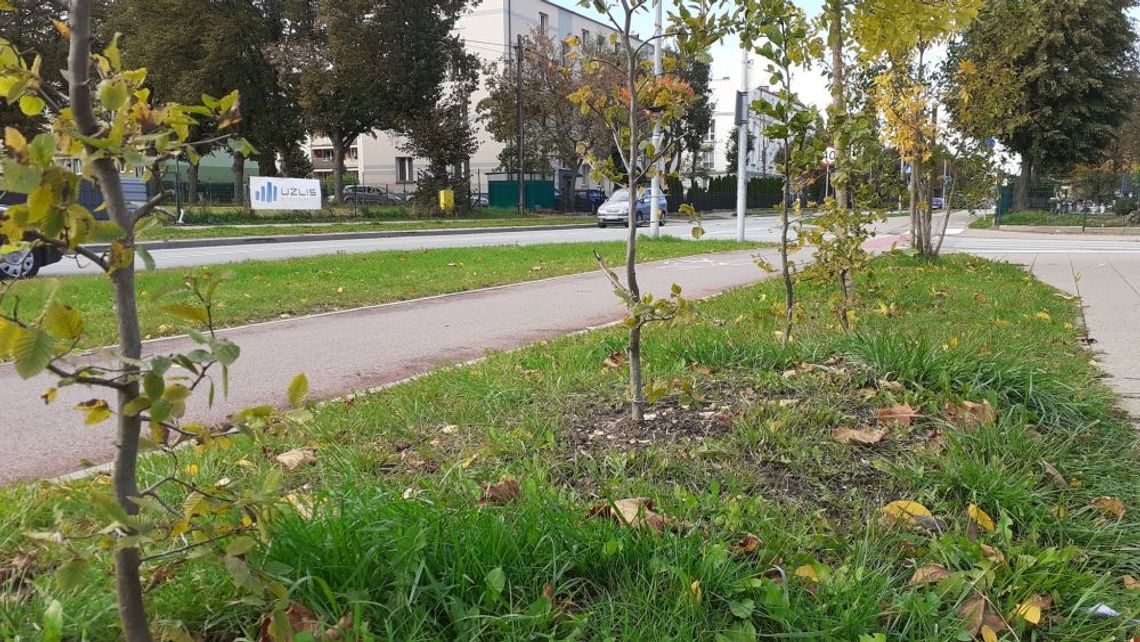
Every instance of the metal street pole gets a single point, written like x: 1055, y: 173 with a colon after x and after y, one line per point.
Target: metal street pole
x: 655, y: 191
x: 519, y: 117
x: 742, y: 148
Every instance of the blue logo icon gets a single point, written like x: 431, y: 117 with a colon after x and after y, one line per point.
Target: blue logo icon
x: 267, y: 193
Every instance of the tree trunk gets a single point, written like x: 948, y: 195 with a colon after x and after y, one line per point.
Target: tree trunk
x: 786, y: 269
x: 838, y: 99
x: 1021, y: 194
x: 338, y: 167
x: 636, y: 389
x: 192, y: 184
x: 237, y: 168
x: 267, y: 162
x: 132, y: 610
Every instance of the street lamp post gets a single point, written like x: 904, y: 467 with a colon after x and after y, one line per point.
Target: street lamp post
x: 655, y: 190
x: 742, y: 120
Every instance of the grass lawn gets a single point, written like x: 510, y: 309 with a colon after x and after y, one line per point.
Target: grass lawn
x: 167, y: 233
x: 743, y: 443
x: 1052, y: 219
x: 268, y: 289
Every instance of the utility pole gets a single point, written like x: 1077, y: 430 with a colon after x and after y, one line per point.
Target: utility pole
x: 519, y: 118
x: 655, y: 191
x: 742, y: 121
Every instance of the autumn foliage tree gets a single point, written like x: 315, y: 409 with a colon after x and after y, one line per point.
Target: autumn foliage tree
x: 630, y: 110
x: 901, y: 35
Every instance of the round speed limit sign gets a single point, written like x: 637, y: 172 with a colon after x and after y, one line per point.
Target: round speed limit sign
x: 829, y: 157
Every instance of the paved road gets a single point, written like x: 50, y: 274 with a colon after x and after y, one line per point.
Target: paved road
x: 354, y: 350
x: 758, y: 229
x: 52, y: 440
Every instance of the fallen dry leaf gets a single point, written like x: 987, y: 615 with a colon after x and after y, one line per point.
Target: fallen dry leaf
x: 980, y: 519
x: 993, y: 554
x: 906, y: 511
x: 636, y: 512
x: 299, y: 619
x: 929, y: 574
x: 1131, y: 583
x: 616, y: 360
x: 980, y: 619
x: 750, y: 544
x: 698, y: 368
x: 504, y: 492
x: 1031, y: 610
x: 971, y: 415
x: 1110, y: 505
x: 807, y: 571
x: 862, y: 436
x: 887, y: 384
x: 297, y: 457
x: 1054, y: 475
x: 901, y: 414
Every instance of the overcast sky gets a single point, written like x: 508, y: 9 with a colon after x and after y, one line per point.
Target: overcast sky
x: 810, y: 84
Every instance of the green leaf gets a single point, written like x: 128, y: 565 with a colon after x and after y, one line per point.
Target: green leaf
x: 21, y: 179
x: 742, y: 608
x: 298, y: 390
x: 144, y: 254
x: 53, y: 622
x: 187, y: 312
x: 32, y: 351
x: 240, y: 546
x: 42, y: 150
x: 113, y: 94
x: 63, y: 321
x: 70, y: 574
x: 31, y: 105
x: 496, y: 580
x: 153, y: 385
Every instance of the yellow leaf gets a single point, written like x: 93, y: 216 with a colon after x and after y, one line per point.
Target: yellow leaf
x: 988, y: 634
x: 807, y: 572
x: 1031, y: 610
x: 1029, y: 613
x: 15, y: 141
x: 907, y: 511
x: 192, y: 469
x: 49, y: 395
x: 1044, y: 316
x: 95, y: 411
x: 695, y: 589
x: 981, y: 518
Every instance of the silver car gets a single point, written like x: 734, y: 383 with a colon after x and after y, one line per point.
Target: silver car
x: 615, y: 211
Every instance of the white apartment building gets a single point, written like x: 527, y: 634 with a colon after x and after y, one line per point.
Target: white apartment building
x: 762, y: 160
x: 490, y: 31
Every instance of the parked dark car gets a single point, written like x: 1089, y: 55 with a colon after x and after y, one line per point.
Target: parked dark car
x: 367, y: 195
x: 615, y: 211
x: 588, y: 200
x: 25, y: 262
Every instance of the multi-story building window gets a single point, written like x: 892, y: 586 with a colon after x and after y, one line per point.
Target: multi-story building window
x: 405, y: 171
x: 543, y: 21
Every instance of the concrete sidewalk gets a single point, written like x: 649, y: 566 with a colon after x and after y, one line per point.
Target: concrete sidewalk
x: 354, y: 350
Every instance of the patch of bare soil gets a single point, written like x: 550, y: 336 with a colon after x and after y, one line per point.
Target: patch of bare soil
x: 610, y: 428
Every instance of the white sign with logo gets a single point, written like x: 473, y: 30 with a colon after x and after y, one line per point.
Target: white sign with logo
x: 269, y: 193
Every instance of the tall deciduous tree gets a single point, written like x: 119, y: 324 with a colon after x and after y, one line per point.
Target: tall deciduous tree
x: 553, y: 127
x: 366, y: 65
x: 901, y: 34
x: 1050, y: 79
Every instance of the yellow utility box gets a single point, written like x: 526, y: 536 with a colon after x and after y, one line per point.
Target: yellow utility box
x: 447, y: 200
